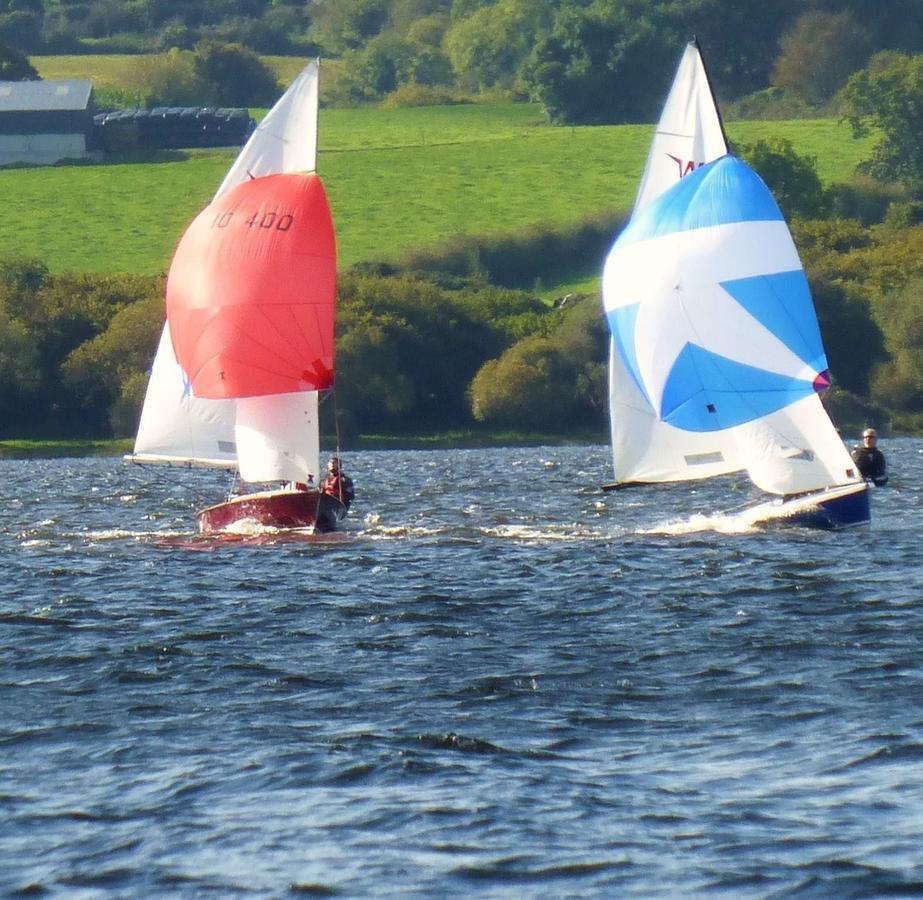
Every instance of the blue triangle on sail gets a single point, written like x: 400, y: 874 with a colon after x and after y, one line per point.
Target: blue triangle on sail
x: 718, y: 193
x: 782, y: 304
x: 708, y: 392
x: 622, y: 327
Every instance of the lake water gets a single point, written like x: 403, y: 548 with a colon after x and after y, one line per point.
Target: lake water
x: 500, y: 682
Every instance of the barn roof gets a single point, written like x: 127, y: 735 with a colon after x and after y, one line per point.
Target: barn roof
x: 45, y: 96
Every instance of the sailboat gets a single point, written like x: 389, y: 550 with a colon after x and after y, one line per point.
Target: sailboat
x: 716, y: 358
x: 248, y: 346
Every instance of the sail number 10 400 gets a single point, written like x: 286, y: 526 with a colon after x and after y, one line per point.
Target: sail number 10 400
x: 280, y: 222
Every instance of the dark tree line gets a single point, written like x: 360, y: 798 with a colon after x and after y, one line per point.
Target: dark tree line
x: 427, y: 351
x: 585, y: 60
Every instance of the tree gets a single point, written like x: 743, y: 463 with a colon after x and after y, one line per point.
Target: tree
x: 406, y: 351
x: 487, y: 47
x: 20, y: 278
x: 340, y: 25
x: 819, y: 53
x: 852, y: 339
x: 164, y: 79
x: 57, y: 314
x: 22, y: 29
x: 896, y: 24
x: 898, y: 383
x: 405, y: 14
x: 232, y: 75
x: 888, y: 95
x: 548, y: 380
x: 529, y: 386
x: 600, y: 66
x: 792, y: 178
x: 19, y: 368
x: 385, y: 62
x: 739, y: 39
x: 15, y: 66
x: 108, y: 372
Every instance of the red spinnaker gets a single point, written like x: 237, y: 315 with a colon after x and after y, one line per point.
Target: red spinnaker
x: 251, y: 291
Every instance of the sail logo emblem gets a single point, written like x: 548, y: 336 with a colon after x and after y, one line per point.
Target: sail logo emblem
x: 685, y: 167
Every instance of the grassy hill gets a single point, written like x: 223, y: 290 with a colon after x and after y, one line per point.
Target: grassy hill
x: 398, y: 179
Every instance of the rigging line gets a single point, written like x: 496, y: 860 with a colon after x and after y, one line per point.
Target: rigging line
x: 161, y: 478
x: 336, y: 420
x: 336, y: 427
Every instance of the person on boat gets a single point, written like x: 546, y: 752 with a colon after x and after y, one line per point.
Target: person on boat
x: 870, y: 460
x: 337, y: 483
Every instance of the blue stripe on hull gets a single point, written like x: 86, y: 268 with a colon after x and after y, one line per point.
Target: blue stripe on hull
x: 832, y: 513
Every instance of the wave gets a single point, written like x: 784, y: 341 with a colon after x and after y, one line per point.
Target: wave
x: 721, y: 523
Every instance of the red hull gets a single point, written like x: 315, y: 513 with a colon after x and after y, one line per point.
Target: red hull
x: 275, y: 509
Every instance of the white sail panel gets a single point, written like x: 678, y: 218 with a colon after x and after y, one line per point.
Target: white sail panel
x: 681, y: 299
x: 277, y: 437
x: 285, y: 141
x: 689, y: 133
x: 795, y: 450
x: 177, y: 427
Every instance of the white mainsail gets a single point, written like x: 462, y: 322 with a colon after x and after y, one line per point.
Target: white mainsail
x: 177, y: 428
x: 269, y: 438
x: 689, y: 134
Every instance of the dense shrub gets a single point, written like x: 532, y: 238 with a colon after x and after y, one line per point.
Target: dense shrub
x: 518, y: 260
x: 548, y: 381
x: 414, y: 94
x: 232, y: 75
x: 863, y: 198
x: 47, y: 321
x: 15, y: 65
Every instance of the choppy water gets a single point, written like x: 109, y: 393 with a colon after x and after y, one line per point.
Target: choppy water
x: 501, y: 683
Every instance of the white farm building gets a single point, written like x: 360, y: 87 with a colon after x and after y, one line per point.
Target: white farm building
x: 42, y: 122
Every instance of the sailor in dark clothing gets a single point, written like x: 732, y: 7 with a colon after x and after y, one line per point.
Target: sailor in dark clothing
x: 338, y: 484
x: 870, y: 460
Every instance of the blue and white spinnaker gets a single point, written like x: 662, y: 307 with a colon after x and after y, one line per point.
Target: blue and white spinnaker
x: 712, y: 320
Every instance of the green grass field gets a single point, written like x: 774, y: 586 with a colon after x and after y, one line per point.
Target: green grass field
x: 398, y: 179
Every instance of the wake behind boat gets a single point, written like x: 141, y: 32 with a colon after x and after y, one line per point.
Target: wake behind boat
x: 248, y: 348
x: 716, y: 358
